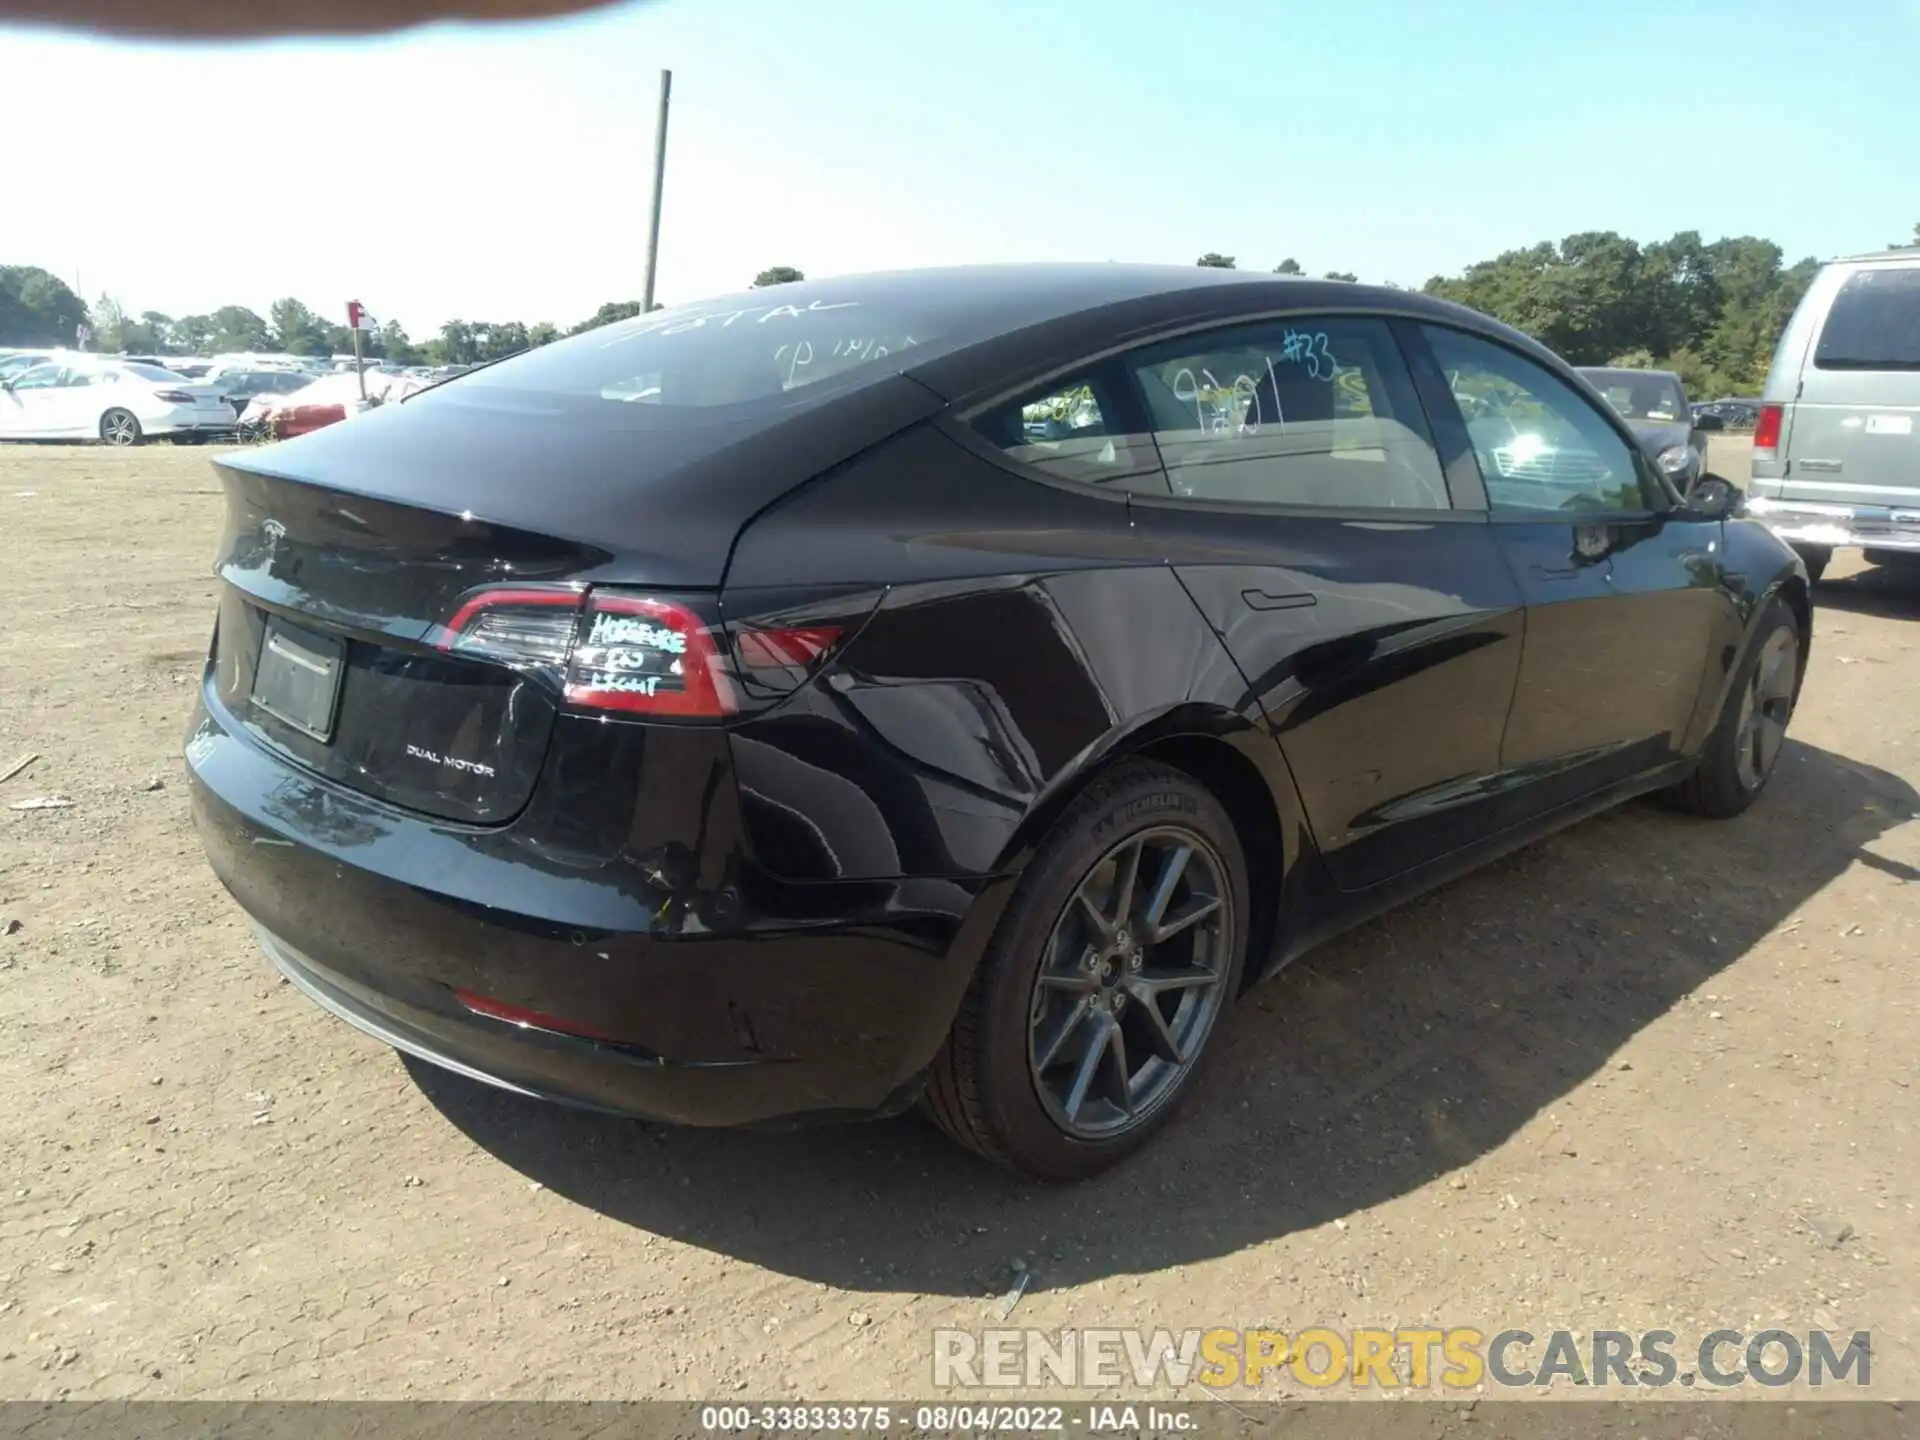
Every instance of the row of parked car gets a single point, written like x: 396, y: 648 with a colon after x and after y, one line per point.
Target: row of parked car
x: 124, y: 399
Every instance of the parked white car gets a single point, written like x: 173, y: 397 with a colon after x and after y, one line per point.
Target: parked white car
x: 118, y: 402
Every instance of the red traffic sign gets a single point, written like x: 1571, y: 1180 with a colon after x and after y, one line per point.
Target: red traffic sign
x: 357, y: 317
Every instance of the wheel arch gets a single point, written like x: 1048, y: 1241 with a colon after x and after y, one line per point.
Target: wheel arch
x: 1237, y: 762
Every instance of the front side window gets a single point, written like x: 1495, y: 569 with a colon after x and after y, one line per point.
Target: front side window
x: 1540, y: 444
x: 1308, y: 411
x: 1874, y: 323
x: 38, y: 377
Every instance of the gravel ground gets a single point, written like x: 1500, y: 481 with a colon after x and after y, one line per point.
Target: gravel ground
x: 1654, y: 1072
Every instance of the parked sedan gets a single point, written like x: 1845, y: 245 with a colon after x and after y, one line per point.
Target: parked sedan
x: 240, y: 387
x: 1654, y: 403
x: 117, y: 402
x: 954, y: 686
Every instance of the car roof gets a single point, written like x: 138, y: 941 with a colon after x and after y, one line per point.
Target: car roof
x: 1028, y: 316
x: 1908, y: 253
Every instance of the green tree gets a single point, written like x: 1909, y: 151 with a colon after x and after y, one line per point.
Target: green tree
x: 1344, y: 275
x: 543, y: 333
x: 37, y: 308
x: 1214, y: 260
x: 777, y: 275
x: 608, y: 314
x: 149, y: 335
x: 1288, y: 266
x: 108, y: 323
x: 296, y: 329
x: 457, y: 344
x: 395, y: 346
x: 191, y: 335
x: 236, y: 328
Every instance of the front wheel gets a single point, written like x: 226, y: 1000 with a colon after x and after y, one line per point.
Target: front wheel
x: 119, y: 427
x: 1092, y: 1011
x: 1746, y: 743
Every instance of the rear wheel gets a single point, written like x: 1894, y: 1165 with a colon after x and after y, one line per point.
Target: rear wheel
x: 119, y: 427
x: 1815, y: 558
x: 1092, y: 1011
x: 1746, y: 743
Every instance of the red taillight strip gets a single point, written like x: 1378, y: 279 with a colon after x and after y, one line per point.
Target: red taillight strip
x: 531, y: 1019
x: 1766, y: 431
x: 485, y: 600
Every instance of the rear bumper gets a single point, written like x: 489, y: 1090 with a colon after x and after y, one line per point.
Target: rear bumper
x: 728, y: 999
x: 191, y: 422
x: 1829, y: 525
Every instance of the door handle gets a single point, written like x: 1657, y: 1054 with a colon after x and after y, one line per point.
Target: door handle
x: 1278, y: 600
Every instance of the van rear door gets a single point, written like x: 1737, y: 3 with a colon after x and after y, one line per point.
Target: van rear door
x: 1852, y: 434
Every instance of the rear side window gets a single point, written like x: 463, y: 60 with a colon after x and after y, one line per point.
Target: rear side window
x: 1874, y: 322
x: 1071, y: 429
x: 1306, y: 412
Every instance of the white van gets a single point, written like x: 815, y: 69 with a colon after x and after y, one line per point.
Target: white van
x: 1836, y: 452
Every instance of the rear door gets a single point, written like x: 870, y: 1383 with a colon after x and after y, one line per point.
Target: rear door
x: 1624, y: 601
x: 1854, y: 430
x: 1307, y: 512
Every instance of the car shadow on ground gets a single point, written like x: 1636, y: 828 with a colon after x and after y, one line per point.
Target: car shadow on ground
x: 1889, y: 591
x: 1368, y: 1069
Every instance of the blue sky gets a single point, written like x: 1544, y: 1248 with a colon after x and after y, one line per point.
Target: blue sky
x: 497, y: 174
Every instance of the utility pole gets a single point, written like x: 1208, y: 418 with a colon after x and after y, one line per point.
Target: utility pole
x: 659, y: 181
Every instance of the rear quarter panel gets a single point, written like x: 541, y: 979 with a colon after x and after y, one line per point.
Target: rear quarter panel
x: 1026, y: 636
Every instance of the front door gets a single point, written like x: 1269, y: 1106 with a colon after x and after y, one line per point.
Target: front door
x: 1306, y: 511
x: 1623, y: 595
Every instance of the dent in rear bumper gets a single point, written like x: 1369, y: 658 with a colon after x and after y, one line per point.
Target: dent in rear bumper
x: 783, y: 1001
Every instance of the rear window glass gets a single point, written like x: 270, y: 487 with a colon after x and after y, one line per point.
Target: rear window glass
x: 742, y: 350
x: 1874, y: 323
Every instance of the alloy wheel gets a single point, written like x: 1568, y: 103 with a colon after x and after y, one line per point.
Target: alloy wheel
x: 119, y: 427
x: 1131, y: 983
x: 1766, y: 708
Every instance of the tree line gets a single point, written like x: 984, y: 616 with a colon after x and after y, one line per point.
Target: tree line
x: 39, y: 308
x: 1710, y: 310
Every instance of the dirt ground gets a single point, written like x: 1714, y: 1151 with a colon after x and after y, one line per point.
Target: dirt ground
x: 1652, y: 1073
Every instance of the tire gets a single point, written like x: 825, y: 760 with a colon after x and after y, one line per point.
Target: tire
x: 1740, y: 754
x: 1815, y: 558
x: 1005, y: 1082
x: 119, y: 427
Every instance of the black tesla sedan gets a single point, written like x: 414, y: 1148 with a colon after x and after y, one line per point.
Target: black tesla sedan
x: 953, y: 686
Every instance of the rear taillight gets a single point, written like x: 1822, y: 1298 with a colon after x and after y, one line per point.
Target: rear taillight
x: 1766, y: 433
x: 642, y: 655
x: 629, y: 653
x: 174, y: 397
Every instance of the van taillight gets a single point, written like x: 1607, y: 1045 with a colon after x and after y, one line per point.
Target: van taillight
x: 1766, y: 433
x: 631, y: 653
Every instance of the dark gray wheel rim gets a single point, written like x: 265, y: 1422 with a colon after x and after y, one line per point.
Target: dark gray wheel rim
x: 1132, y: 981
x: 119, y: 428
x: 1765, y: 708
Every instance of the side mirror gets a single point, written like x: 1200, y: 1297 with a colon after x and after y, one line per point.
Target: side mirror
x: 1713, y: 497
